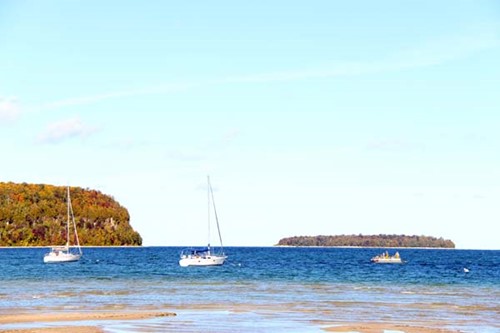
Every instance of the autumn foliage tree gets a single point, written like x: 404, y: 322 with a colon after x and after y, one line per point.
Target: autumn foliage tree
x: 35, y: 215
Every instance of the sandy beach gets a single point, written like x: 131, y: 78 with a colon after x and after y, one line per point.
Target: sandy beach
x: 64, y: 329
x: 381, y: 327
x: 32, y: 319
x: 46, y: 318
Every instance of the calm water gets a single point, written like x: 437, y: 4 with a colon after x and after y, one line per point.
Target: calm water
x: 260, y: 289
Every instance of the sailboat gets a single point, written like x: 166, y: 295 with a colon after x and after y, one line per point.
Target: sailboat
x: 64, y: 253
x: 205, y: 256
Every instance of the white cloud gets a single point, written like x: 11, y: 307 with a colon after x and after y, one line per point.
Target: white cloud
x: 66, y: 129
x: 9, y: 109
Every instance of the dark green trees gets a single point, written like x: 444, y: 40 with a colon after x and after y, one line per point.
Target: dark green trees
x: 368, y: 241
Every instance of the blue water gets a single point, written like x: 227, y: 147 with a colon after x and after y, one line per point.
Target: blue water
x: 269, y: 289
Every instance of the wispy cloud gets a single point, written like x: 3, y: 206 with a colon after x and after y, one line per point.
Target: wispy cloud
x: 210, y: 149
x: 66, y: 129
x: 185, y: 156
x: 9, y: 109
x: 443, y: 50
x: 429, y: 53
x: 393, y: 145
x: 231, y: 135
x: 153, y: 90
x: 127, y: 144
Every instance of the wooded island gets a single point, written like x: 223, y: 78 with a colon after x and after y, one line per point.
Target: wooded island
x: 35, y: 215
x: 368, y: 241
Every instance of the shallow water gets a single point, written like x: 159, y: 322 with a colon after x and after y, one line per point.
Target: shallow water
x: 273, y: 289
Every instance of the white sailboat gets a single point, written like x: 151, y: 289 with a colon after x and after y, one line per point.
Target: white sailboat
x: 206, y: 256
x: 63, y: 253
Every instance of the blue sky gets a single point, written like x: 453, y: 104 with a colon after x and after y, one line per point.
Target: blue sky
x: 317, y: 117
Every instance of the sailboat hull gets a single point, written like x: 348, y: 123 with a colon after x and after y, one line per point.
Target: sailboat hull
x: 212, y: 260
x: 53, y: 257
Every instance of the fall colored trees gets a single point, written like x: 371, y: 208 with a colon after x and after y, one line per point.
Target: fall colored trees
x: 35, y: 215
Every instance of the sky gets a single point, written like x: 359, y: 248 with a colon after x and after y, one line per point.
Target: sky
x: 311, y: 117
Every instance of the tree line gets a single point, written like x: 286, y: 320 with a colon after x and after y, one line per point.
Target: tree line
x: 368, y: 241
x: 36, y: 214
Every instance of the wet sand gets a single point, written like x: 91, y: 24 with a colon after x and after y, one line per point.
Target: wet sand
x: 66, y: 329
x: 381, y: 327
x: 47, y: 318
x: 71, y: 317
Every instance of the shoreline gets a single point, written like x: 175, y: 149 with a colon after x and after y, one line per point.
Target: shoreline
x: 371, y: 247
x: 90, y: 322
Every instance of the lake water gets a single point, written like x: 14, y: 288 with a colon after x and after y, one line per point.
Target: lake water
x: 263, y: 289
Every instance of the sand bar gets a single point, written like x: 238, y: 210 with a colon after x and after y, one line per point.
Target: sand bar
x: 381, y: 327
x: 66, y: 329
x: 70, y: 317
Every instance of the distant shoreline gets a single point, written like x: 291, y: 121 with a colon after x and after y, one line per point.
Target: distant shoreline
x: 360, y: 240
x: 256, y: 246
x: 371, y: 247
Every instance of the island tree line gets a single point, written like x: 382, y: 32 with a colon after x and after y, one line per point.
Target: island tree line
x: 368, y: 241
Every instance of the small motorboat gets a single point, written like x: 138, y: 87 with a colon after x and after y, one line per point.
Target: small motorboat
x: 385, y: 258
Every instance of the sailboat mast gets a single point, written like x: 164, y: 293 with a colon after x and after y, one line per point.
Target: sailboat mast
x: 216, y: 217
x: 68, y: 204
x: 74, y: 223
x: 208, y: 210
